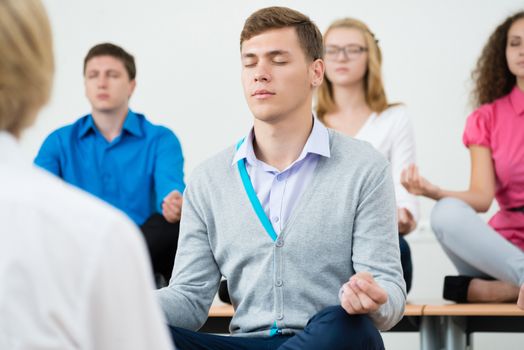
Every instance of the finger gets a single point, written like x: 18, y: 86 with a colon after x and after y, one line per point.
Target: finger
x: 344, y: 301
x: 364, y: 275
x: 407, y: 213
x: 178, y: 202
x: 403, y: 176
x: 416, y: 173
x: 169, y: 207
x: 347, y: 306
x: 174, y: 211
x: 170, y: 200
x: 350, y: 297
x: 170, y: 210
x: 368, y: 304
x: 167, y: 215
x: 353, y: 286
x: 175, y: 215
x: 170, y: 216
x: 172, y: 195
x: 175, y: 201
x: 175, y: 204
x: 408, y: 172
x: 402, y: 216
x: 373, y: 290
x: 421, y: 183
x: 363, y: 299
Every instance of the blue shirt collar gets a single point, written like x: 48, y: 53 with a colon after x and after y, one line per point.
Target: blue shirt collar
x: 87, y: 126
x: 131, y: 125
x: 317, y: 143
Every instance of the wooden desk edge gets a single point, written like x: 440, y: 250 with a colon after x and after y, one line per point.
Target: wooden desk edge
x: 472, y: 310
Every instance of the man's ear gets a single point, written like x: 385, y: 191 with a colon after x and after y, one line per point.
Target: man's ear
x: 317, y: 72
x: 132, y: 88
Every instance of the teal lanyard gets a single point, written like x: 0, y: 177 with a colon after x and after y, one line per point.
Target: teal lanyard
x: 255, y: 203
x: 251, y: 194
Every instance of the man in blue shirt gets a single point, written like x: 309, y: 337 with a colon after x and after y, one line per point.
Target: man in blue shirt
x: 120, y: 157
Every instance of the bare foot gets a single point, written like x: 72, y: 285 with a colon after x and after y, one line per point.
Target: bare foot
x: 482, y: 291
x: 520, y: 301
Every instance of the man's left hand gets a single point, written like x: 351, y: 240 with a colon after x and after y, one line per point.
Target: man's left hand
x: 362, y: 294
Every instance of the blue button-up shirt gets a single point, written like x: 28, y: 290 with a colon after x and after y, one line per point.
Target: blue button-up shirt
x: 134, y: 172
x: 279, y: 191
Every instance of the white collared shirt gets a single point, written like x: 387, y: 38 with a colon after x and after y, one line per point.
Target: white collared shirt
x: 74, y: 272
x: 279, y: 191
x: 391, y: 133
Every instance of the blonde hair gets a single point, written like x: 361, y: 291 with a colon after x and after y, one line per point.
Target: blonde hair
x: 26, y: 62
x: 373, y: 86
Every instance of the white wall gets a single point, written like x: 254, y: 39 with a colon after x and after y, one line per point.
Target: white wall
x: 187, y: 54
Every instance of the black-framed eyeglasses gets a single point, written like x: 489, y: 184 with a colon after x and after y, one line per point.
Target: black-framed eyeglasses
x: 350, y: 51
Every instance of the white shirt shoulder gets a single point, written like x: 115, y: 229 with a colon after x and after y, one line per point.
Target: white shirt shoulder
x: 391, y: 133
x: 73, y: 271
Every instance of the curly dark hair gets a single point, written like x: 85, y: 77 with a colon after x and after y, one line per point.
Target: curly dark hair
x: 492, y: 76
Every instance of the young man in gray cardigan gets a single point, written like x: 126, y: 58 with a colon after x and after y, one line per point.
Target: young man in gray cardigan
x: 300, y: 219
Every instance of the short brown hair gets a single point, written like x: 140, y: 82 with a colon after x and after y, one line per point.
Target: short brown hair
x: 108, y: 49
x: 26, y: 63
x: 268, y: 18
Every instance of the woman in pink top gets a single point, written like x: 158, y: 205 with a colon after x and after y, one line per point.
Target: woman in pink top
x: 494, y: 134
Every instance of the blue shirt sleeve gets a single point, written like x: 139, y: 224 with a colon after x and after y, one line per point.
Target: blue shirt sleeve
x: 169, y: 167
x: 48, y: 156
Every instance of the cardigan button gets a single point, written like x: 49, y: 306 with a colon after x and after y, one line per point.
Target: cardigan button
x: 280, y: 242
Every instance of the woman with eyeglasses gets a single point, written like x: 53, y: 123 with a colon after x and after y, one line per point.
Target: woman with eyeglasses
x: 352, y: 100
x: 494, y: 134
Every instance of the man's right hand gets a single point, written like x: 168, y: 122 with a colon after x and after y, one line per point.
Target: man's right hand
x: 172, y: 206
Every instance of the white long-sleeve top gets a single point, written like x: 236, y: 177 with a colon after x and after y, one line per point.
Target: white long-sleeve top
x: 74, y: 272
x: 391, y: 133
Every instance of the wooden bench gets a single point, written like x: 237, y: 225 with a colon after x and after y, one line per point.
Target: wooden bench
x: 441, y: 324
x: 450, y: 326
x: 218, y: 319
